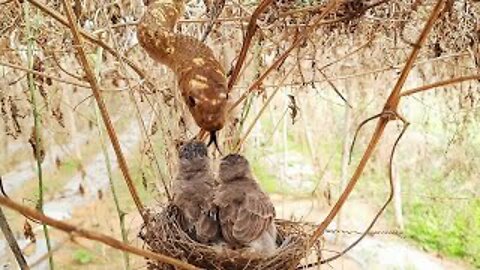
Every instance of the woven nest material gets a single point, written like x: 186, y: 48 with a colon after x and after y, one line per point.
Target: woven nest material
x: 162, y: 234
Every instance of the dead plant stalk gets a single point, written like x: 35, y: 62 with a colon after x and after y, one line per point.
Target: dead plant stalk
x: 58, y: 17
x: 12, y: 242
x: 103, y: 144
x: 94, y: 236
x: 251, y: 29
x: 36, y: 124
x: 101, y: 104
x: 389, y: 113
x: 139, y: 114
x: 281, y: 59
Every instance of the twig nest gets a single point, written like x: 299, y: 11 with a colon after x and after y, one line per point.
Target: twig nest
x: 162, y: 233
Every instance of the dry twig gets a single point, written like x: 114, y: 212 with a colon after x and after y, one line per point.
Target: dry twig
x: 251, y: 29
x: 12, y: 242
x: 389, y: 113
x: 277, y: 63
x: 77, y: 232
x: 58, y: 17
x: 439, y: 84
x: 101, y: 105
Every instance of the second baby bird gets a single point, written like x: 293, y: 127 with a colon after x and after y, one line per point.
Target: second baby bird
x: 245, y: 212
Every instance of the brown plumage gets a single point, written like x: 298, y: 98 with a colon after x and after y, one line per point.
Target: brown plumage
x: 193, y: 193
x: 245, y: 212
x: 201, y: 78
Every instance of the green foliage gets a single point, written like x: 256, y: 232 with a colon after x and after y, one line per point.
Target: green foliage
x: 453, y: 230
x: 82, y: 256
x: 70, y: 166
x: 266, y: 179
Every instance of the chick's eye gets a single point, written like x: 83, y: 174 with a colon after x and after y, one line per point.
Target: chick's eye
x: 191, y: 101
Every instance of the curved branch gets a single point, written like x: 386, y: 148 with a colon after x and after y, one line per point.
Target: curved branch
x: 79, y: 84
x: 387, y: 202
x: 101, y: 105
x: 94, y: 236
x: 251, y: 29
x: 390, y: 106
x: 364, y: 122
x: 439, y: 84
x: 12, y: 242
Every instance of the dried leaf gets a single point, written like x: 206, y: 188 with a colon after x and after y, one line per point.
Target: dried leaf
x: 154, y: 128
x: 37, y: 146
x: 58, y: 115
x: 58, y: 162
x: 294, y: 109
x: 144, y: 180
x: 81, y: 189
x: 28, y: 232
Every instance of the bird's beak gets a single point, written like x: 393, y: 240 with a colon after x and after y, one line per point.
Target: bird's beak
x: 213, y: 139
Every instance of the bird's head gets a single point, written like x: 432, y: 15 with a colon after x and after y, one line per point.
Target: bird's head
x: 232, y: 167
x: 204, y: 89
x: 206, y: 95
x: 193, y: 156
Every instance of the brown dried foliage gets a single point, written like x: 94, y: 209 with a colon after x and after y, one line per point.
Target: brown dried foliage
x: 163, y: 234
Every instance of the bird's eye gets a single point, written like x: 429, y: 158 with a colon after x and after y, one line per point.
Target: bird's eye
x: 191, y: 101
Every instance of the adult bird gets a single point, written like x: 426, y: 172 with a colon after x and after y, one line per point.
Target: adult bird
x: 245, y: 212
x: 193, y: 193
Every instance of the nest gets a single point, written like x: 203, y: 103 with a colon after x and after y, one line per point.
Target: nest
x: 162, y: 234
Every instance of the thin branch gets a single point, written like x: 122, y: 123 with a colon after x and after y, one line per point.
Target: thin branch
x: 378, y: 70
x: 347, y: 55
x: 108, y: 165
x: 394, y: 98
x: 377, y: 216
x: 94, y: 236
x: 41, y: 74
x: 283, y: 57
x: 390, y: 106
x: 12, y: 242
x: 439, y: 84
x: 335, y: 89
x: 101, y: 105
x: 37, y: 125
x: 215, y: 12
x: 44, y: 75
x: 382, y: 209
x: 357, y: 131
x: 55, y: 58
x: 262, y: 110
x: 251, y: 29
x: 139, y: 115
x: 5, y: 2
x: 58, y: 17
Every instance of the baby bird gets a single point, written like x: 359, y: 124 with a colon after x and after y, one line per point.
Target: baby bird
x: 193, y: 193
x: 245, y: 212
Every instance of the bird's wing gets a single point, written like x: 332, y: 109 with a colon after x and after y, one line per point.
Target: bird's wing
x: 254, y: 216
x: 207, y: 226
x: 225, y: 200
